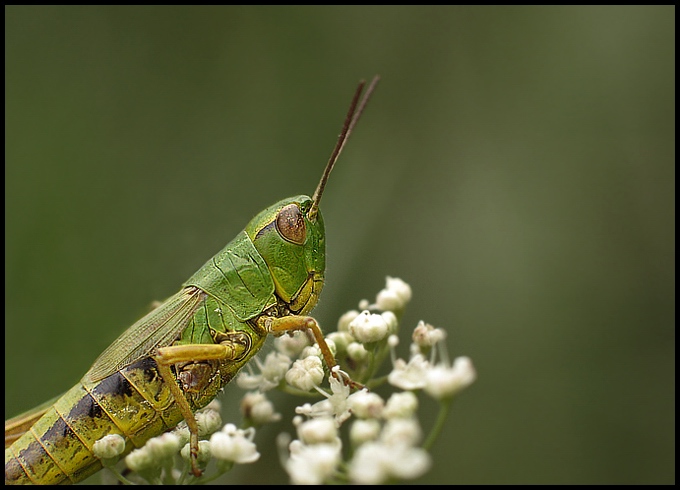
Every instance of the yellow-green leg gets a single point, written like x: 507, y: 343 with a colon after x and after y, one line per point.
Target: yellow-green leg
x: 167, y: 356
x: 279, y: 326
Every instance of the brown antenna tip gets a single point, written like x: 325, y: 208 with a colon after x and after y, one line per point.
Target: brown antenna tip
x: 353, y: 114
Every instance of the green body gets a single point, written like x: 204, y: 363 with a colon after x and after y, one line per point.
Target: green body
x: 275, y: 268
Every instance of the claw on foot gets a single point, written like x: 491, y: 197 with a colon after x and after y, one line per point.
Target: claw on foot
x: 344, y: 378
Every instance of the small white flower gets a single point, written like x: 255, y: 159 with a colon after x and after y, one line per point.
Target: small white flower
x: 388, y: 300
x: 271, y: 372
x: 411, y: 375
x: 335, y: 404
x: 163, y: 446
x: 443, y: 381
x: 357, y: 352
x: 376, y: 462
x: 368, y: 327
x: 405, y: 432
x: 317, y: 431
x: 203, y: 453
x: 425, y: 335
x: 274, y: 368
x: 306, y: 373
x: 258, y: 409
x: 311, y: 350
x: 315, y: 350
x: 399, y: 287
x: 366, y: 405
x: 319, y: 409
x: 109, y: 446
x: 401, y: 405
x: 394, y: 296
x: 292, y: 344
x: 140, y: 460
x: 312, y: 465
x: 391, y: 320
x: 367, y: 466
x: 340, y: 339
x: 346, y: 319
x: 208, y: 421
x: 232, y: 444
x: 364, y: 431
x: 182, y: 432
x: 409, y: 462
x: 247, y: 380
x: 263, y: 413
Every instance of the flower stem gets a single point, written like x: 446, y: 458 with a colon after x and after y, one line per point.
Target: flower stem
x: 444, y: 406
x: 119, y: 476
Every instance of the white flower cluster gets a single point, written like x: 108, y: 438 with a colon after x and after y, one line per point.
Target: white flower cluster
x: 385, y: 436
x: 440, y: 380
x: 234, y: 445
x: 384, y: 433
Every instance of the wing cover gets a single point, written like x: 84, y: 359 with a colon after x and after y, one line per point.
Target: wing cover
x: 157, y: 329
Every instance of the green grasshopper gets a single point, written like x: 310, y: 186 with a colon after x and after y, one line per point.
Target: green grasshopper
x: 178, y: 357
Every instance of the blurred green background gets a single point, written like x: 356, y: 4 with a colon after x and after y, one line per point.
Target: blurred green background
x: 515, y: 167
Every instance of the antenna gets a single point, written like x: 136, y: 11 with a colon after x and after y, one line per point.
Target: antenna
x: 350, y: 121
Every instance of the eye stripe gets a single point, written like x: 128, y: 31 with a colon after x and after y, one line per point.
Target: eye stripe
x: 264, y: 229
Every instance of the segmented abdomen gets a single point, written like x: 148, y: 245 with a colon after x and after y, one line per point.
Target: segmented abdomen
x: 134, y: 402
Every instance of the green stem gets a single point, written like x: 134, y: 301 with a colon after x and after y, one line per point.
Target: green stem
x: 294, y: 391
x: 374, y: 383
x: 444, y: 407
x: 207, y: 479
x: 119, y: 476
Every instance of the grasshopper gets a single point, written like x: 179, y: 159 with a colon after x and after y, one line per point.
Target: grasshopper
x: 178, y: 357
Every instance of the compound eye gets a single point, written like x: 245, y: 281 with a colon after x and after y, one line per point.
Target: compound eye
x: 291, y: 224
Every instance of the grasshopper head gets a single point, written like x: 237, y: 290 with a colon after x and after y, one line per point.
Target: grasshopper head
x: 293, y: 246
x: 290, y: 235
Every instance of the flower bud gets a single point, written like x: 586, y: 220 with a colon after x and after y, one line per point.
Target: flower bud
x: 109, y: 446
x: 306, y: 373
x: 368, y: 327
